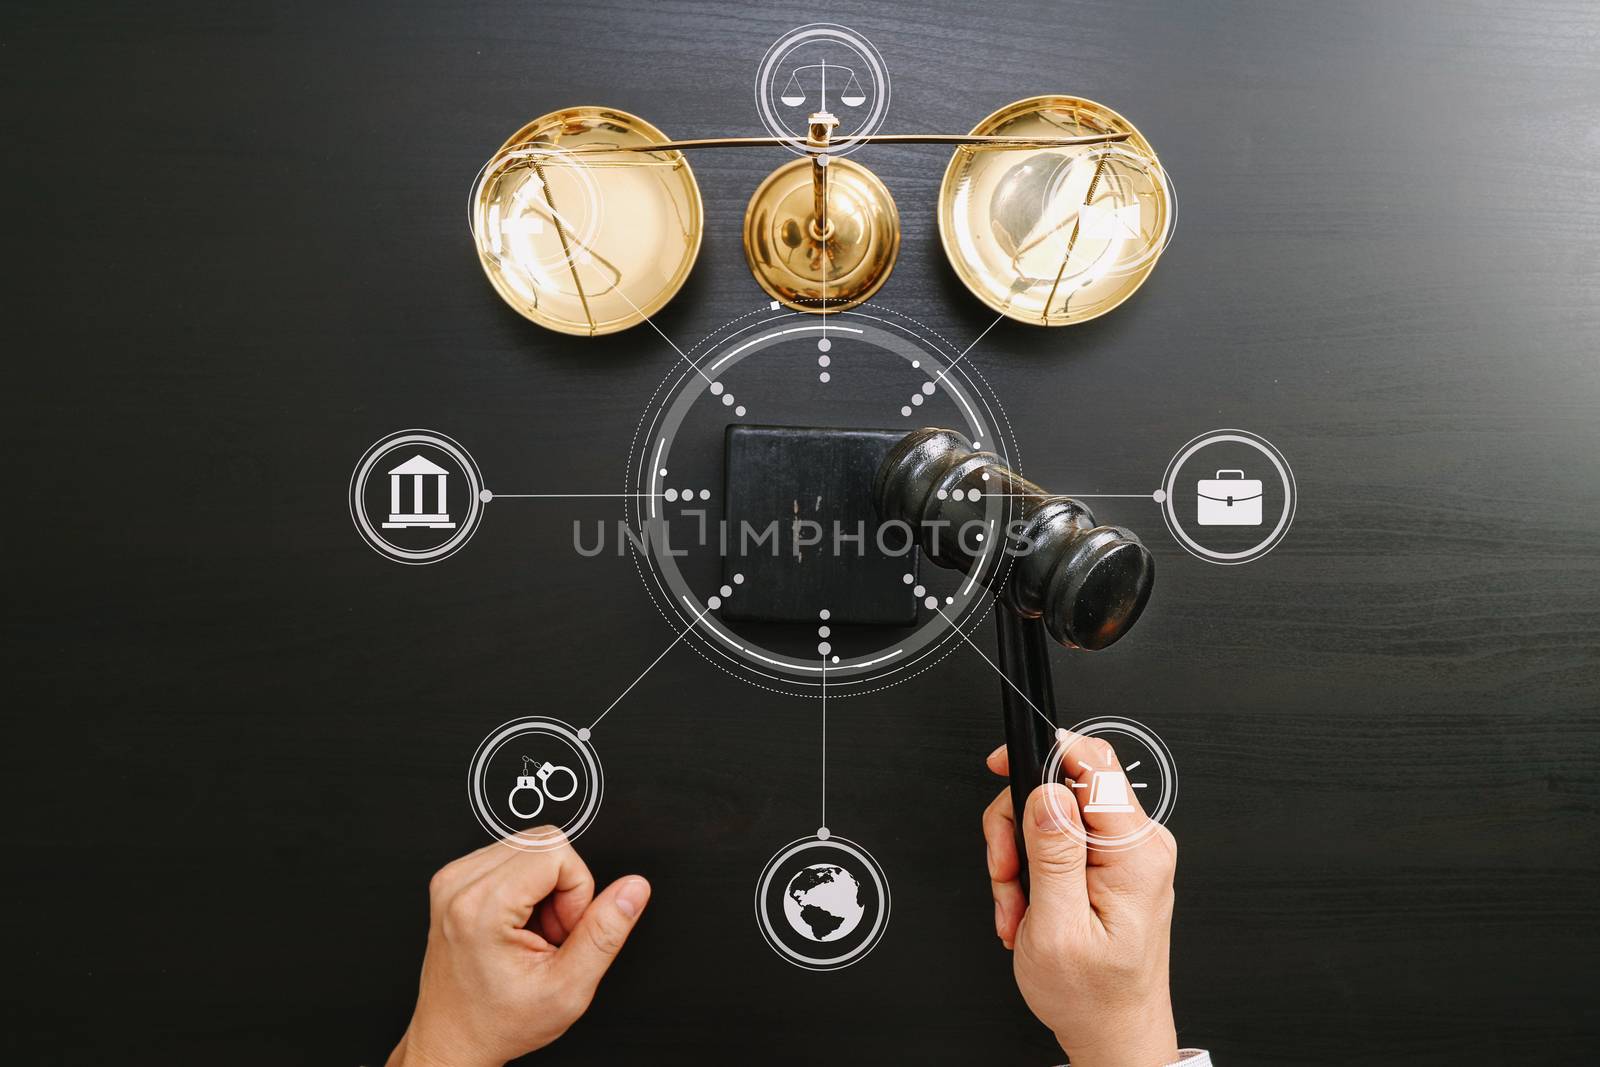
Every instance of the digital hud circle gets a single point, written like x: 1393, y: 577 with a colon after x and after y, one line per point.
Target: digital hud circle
x: 1228, y: 497
x: 822, y: 904
x: 1123, y: 796
x: 750, y: 499
x: 535, y: 783
x: 416, y: 497
x: 822, y: 68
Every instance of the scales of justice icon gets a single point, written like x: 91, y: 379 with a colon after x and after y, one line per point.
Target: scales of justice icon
x: 851, y: 95
x: 1053, y: 209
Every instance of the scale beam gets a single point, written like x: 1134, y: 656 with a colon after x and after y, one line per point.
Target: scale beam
x: 969, y: 140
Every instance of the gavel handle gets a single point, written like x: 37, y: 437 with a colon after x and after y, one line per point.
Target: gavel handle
x: 1024, y: 648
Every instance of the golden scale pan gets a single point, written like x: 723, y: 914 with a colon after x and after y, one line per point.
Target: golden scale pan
x: 1053, y: 211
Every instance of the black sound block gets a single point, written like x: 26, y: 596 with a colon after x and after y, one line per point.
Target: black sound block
x: 804, y: 531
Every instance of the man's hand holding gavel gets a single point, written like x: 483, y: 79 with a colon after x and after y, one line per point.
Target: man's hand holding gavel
x: 1091, y: 942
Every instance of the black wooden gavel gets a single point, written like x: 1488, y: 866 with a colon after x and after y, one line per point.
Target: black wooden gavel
x: 1052, y: 570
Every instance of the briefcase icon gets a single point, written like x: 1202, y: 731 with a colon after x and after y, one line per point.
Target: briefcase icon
x: 1230, y: 499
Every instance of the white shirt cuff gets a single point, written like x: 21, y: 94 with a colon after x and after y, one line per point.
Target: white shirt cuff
x: 1192, y: 1057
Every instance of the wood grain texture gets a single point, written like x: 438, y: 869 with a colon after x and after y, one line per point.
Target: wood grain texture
x: 237, y: 255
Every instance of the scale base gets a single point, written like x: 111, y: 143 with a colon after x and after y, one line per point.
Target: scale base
x: 788, y: 257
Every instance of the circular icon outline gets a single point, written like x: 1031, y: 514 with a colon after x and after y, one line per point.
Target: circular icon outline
x: 1291, y: 497
x: 1163, y: 756
x: 766, y: 71
x: 574, y: 243
x: 464, y: 531
x: 531, y: 840
x: 875, y: 873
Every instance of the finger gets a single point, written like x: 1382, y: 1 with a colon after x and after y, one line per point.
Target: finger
x: 1056, y: 855
x: 999, y: 761
x: 511, y: 891
x: 1111, y: 807
x: 463, y: 871
x: 999, y: 834
x: 601, y: 932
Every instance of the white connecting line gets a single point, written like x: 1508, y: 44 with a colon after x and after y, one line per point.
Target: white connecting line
x: 954, y: 625
x: 647, y: 670
x: 692, y: 364
x: 940, y: 376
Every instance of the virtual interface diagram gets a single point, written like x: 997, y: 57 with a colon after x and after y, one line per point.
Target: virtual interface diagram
x: 849, y: 517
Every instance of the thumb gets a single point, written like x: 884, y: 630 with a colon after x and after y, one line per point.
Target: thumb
x: 1053, y: 832
x: 588, y: 951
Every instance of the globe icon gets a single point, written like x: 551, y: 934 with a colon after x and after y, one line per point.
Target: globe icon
x: 823, y: 902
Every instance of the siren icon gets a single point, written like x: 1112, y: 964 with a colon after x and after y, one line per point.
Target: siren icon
x: 1108, y: 791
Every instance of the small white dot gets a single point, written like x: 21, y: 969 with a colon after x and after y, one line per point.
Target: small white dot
x: 823, y: 631
x: 739, y: 410
x: 822, y: 377
x: 705, y: 494
x: 824, y: 344
x: 824, y: 648
x: 824, y: 614
x: 985, y: 475
x: 663, y: 472
x: 688, y: 494
x: 931, y: 602
x: 976, y: 443
x: 727, y: 399
x: 671, y: 495
x: 836, y: 659
x: 823, y: 833
x: 714, y: 603
x: 928, y: 387
x: 980, y: 537
x: 823, y: 361
x: 726, y: 590
x: 908, y: 578
x: 716, y: 388
x: 1159, y: 496
x: 943, y: 494
x: 949, y: 600
x: 973, y: 494
x: 906, y: 411
x: 919, y: 591
x: 915, y: 364
x: 583, y: 733
x: 738, y: 579
x: 485, y: 496
x: 916, y: 399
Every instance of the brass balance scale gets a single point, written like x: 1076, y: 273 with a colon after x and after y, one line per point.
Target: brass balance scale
x: 1053, y: 211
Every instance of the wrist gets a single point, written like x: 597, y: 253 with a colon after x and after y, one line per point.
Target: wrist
x: 1146, y: 1039
x: 420, y: 1049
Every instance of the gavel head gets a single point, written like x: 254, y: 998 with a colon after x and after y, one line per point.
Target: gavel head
x: 1043, y: 554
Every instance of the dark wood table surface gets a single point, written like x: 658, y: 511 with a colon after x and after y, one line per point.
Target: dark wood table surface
x: 236, y: 255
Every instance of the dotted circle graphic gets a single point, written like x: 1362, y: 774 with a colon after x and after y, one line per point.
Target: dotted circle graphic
x: 941, y: 363
x: 464, y: 529
x: 830, y: 842
x: 536, y: 839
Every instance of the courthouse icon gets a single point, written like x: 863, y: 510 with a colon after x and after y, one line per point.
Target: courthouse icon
x: 420, y: 471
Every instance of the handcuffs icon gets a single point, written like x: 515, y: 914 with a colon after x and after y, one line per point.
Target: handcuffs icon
x: 538, y: 782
